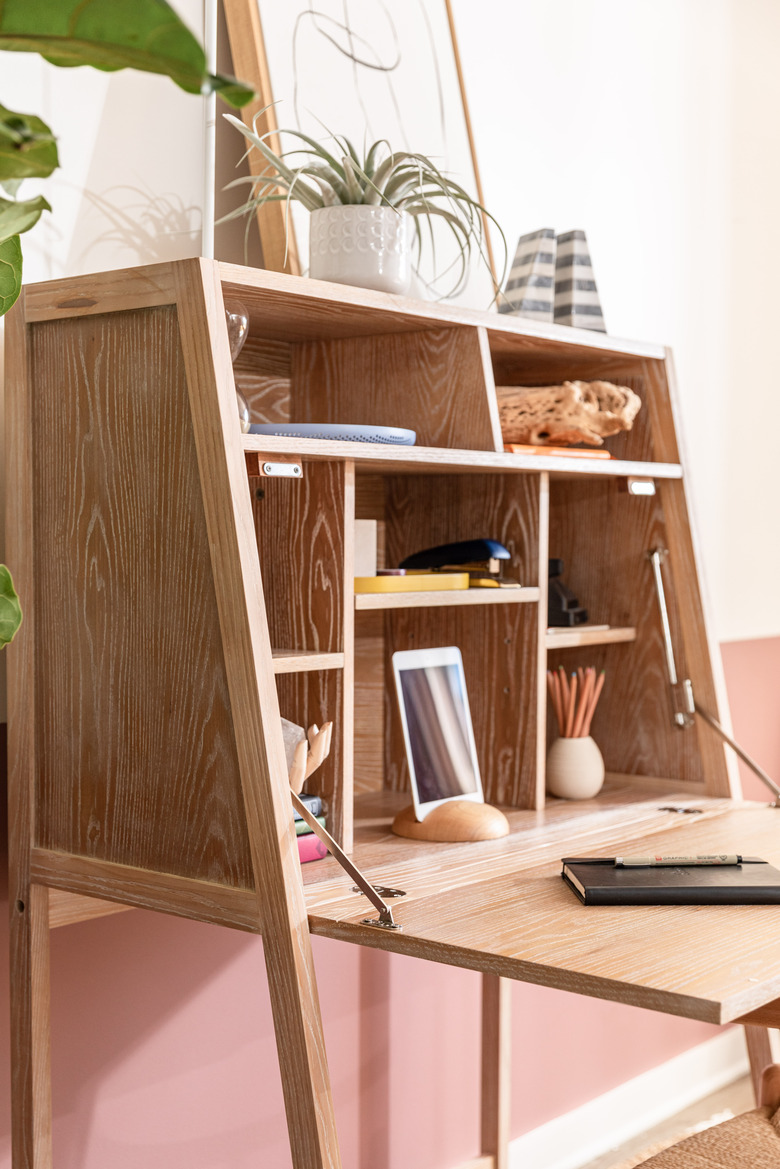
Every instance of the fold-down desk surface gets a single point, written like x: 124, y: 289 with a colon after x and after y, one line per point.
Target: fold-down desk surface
x: 501, y: 906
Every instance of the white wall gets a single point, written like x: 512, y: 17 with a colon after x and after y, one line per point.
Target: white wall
x: 131, y: 185
x: 653, y: 125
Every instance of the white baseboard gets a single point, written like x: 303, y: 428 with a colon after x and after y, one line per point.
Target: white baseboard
x: 598, y: 1126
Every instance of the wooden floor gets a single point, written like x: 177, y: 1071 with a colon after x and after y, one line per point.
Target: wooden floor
x: 734, y: 1098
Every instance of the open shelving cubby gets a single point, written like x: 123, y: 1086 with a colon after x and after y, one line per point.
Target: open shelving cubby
x: 146, y: 757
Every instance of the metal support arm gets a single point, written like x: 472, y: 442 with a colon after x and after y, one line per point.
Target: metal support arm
x: 386, y: 919
x: 685, y: 703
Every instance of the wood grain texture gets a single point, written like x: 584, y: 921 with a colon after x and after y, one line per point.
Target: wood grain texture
x: 258, y: 735
x: 294, y: 308
x: 603, y: 536
x: 538, y: 796
x: 759, y: 1049
x: 420, y: 460
x: 29, y: 940
x: 69, y: 908
x: 501, y: 906
x: 499, y: 643
x: 766, y: 1016
x: 496, y: 1098
x: 135, y: 741
x: 262, y: 373
x: 301, y: 661
x: 30, y: 1032
x: 437, y: 383
x: 106, y: 292
x: 301, y: 541
x: 446, y: 598
x: 75, y: 879
x: 247, y: 48
x: 305, y: 535
x: 581, y: 636
x: 369, y: 702
x: 457, y: 820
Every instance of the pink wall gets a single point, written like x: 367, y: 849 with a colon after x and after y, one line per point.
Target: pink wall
x: 164, y: 1056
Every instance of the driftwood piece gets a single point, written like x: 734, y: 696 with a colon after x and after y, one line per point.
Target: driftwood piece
x: 573, y: 412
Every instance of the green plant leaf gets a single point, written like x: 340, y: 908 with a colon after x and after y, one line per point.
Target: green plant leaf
x: 28, y: 149
x: 10, y: 272
x: 17, y: 217
x: 110, y: 35
x: 10, y: 609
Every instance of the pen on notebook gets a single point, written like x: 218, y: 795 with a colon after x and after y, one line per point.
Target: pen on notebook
x: 650, y: 861
x: 627, y: 862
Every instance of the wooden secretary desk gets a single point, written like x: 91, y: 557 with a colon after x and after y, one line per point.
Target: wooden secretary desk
x: 175, y: 600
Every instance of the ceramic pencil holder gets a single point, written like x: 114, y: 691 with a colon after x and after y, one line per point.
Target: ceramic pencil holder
x: 575, y: 769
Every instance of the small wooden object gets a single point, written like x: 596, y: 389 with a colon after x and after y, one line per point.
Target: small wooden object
x: 458, y: 820
x: 307, y: 756
x: 570, y: 413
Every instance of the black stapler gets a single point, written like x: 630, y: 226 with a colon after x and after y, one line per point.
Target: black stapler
x: 483, y: 560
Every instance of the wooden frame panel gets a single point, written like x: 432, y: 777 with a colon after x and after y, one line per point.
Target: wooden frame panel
x: 245, y: 664
x: 438, y: 382
x: 344, y: 350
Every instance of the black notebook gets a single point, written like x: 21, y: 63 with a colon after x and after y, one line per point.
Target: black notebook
x: 751, y: 884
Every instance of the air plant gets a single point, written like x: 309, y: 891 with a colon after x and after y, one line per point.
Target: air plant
x: 409, y: 183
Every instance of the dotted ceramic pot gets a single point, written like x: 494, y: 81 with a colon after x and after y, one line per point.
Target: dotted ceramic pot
x: 575, y: 769
x: 366, y: 246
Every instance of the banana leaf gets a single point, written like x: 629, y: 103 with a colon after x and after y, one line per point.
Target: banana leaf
x: 115, y: 34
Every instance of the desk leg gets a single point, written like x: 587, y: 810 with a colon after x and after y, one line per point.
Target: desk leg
x: 30, y: 1045
x: 760, y: 1054
x: 496, y: 1068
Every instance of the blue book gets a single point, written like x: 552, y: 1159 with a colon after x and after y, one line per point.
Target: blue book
x: 313, y: 803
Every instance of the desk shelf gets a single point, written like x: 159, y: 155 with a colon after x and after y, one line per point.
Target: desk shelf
x: 300, y: 661
x: 146, y: 756
x: 437, y: 599
x: 581, y: 636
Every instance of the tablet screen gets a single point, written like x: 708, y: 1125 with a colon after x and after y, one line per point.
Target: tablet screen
x: 438, y: 721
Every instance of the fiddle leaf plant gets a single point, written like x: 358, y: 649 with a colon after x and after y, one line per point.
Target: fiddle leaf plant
x: 110, y: 35
x: 10, y: 609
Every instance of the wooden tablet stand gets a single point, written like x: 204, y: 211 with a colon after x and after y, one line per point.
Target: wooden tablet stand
x: 458, y: 820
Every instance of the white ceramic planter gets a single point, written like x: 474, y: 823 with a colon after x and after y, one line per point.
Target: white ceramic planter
x: 575, y: 769
x: 366, y: 246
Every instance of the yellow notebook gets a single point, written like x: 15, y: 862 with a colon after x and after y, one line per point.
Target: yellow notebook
x: 416, y: 583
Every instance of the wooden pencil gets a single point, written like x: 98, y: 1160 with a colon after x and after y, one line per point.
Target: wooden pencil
x: 592, y: 708
x: 552, y: 686
x: 572, y: 707
x: 559, y: 702
x: 564, y: 681
x: 584, y: 703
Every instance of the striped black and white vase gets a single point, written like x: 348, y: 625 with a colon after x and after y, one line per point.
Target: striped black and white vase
x: 576, y: 296
x: 530, y: 289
